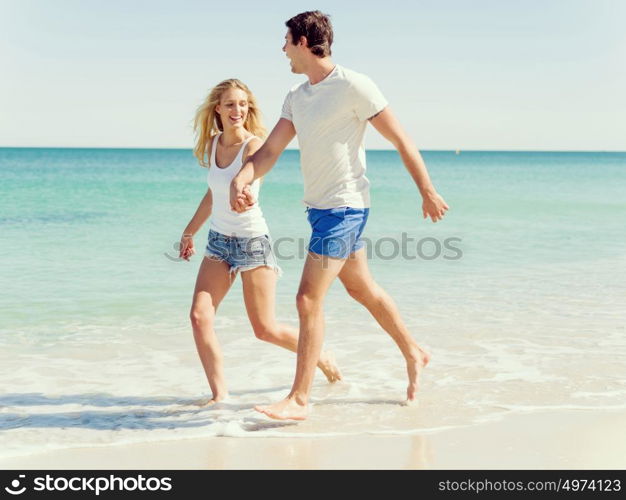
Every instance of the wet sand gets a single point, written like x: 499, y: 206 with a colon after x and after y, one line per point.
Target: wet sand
x: 549, y: 440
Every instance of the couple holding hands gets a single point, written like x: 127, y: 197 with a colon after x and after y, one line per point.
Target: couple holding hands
x: 329, y: 113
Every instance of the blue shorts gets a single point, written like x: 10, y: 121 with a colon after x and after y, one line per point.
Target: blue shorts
x: 242, y: 254
x: 337, y: 231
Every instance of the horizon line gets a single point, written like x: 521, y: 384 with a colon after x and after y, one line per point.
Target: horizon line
x: 452, y: 150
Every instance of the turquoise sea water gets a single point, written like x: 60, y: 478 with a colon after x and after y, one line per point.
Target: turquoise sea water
x: 94, y: 312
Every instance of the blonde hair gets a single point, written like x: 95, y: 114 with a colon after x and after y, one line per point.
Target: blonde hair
x: 207, y: 123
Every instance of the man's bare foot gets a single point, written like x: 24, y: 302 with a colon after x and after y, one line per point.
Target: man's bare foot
x: 414, y: 367
x: 328, y: 365
x: 287, y: 409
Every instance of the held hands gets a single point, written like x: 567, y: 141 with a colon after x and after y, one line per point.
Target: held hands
x: 186, y: 247
x: 241, y: 198
x: 434, y: 206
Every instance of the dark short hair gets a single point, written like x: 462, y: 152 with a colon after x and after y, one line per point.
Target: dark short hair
x: 316, y: 27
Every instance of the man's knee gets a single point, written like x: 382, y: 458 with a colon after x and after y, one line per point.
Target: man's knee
x: 307, y: 303
x: 363, y: 294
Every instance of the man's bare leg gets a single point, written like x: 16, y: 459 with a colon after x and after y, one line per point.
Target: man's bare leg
x: 259, y: 294
x: 317, y: 276
x: 356, y: 277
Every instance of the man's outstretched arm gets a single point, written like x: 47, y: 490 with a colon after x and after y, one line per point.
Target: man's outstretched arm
x: 387, y: 124
x: 259, y: 164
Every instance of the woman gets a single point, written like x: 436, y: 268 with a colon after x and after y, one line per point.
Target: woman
x: 229, y: 130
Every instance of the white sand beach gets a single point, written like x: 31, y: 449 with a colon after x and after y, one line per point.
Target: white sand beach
x: 549, y: 440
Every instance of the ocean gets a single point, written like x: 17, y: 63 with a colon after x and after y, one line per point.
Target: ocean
x: 519, y: 294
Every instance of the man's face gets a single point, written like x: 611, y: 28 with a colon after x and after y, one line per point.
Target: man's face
x: 292, y: 52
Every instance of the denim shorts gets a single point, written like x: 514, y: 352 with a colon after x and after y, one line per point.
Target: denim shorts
x: 242, y: 254
x: 337, y: 231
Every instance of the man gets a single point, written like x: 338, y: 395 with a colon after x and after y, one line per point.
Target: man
x: 329, y: 114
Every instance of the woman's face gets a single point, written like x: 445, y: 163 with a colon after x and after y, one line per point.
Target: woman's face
x: 233, y: 108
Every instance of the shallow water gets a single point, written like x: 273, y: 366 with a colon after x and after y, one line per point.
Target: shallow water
x: 95, y: 343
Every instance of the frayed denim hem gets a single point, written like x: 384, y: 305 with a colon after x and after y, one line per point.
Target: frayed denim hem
x: 277, y: 269
x: 236, y: 269
x: 213, y: 256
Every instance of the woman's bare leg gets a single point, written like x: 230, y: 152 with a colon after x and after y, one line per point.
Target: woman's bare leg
x: 212, y: 284
x: 259, y: 292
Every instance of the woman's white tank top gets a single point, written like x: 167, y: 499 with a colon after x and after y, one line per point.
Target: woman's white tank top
x: 224, y: 220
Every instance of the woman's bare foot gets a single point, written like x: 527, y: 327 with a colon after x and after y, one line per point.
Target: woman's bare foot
x: 216, y: 399
x: 287, y: 409
x: 328, y: 365
x: 414, y: 366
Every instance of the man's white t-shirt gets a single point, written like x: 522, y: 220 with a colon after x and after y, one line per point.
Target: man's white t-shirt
x: 330, y: 118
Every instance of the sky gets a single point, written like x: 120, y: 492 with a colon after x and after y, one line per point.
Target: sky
x: 482, y: 75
